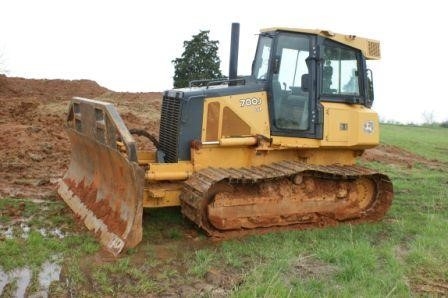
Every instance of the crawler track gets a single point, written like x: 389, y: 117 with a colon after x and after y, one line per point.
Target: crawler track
x: 284, y: 195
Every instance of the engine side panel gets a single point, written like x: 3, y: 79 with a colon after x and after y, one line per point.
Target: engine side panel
x: 236, y: 115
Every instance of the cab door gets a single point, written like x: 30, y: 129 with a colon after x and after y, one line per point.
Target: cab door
x: 293, y: 106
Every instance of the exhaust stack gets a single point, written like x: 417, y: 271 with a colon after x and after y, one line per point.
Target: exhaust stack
x: 234, y: 45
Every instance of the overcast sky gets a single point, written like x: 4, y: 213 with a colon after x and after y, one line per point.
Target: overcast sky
x: 129, y: 45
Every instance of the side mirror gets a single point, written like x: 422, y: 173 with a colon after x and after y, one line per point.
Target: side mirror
x: 276, y: 65
x: 305, y: 82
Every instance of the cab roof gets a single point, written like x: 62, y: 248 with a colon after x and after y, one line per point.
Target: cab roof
x: 370, y: 48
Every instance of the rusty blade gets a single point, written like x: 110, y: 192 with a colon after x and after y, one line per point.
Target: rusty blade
x: 105, y: 190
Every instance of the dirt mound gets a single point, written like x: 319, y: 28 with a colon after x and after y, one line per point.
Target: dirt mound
x: 394, y: 155
x: 35, y: 150
x: 48, y: 89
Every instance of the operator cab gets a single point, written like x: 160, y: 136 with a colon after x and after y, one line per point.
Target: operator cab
x: 303, y: 68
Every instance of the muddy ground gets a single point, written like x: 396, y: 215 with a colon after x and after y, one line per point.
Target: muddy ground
x: 34, y: 151
x: 34, y: 154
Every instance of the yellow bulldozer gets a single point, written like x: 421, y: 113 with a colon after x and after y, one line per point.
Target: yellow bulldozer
x: 251, y: 154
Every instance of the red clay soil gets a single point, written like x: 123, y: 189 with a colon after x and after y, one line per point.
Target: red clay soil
x: 389, y: 154
x: 34, y: 149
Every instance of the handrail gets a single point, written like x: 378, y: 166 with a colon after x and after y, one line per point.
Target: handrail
x: 209, y: 83
x: 217, y: 82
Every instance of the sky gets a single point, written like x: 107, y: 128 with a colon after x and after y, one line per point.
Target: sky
x: 129, y: 45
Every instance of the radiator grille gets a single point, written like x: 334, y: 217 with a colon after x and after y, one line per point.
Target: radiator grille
x: 169, y: 128
x: 374, y: 49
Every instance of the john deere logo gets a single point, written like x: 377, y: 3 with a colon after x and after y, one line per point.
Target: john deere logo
x: 369, y: 127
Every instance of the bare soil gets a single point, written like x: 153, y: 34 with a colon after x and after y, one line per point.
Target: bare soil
x: 389, y: 154
x: 35, y: 150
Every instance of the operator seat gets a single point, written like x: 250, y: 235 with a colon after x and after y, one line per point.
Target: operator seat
x: 277, y: 94
x: 327, y: 74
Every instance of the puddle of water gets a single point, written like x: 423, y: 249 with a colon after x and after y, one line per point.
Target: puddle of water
x: 53, y: 232
x: 49, y: 272
x: 43, y: 232
x: 9, y: 233
x: 25, y: 230
x: 39, y: 201
x: 58, y: 233
x: 22, y: 278
x: 3, y: 280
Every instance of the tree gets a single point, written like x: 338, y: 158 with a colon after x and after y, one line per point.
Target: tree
x: 199, y: 61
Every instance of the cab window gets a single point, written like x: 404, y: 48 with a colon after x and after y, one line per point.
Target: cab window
x: 340, y: 71
x: 291, y: 101
x: 261, y: 62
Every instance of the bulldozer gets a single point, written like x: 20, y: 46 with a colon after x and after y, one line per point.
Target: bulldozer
x: 275, y: 150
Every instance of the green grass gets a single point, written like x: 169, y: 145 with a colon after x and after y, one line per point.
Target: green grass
x: 202, y: 262
x: 37, y: 244
x: 32, y: 249
x: 122, y: 277
x: 428, y: 141
x: 36, y: 249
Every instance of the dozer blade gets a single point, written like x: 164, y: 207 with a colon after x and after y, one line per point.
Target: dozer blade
x: 103, y: 186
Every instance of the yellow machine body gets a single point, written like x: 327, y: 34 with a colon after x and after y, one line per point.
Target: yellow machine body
x: 273, y: 150
x: 230, y: 138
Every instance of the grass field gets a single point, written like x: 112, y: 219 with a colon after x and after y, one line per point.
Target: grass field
x: 427, y: 141
x: 403, y: 255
